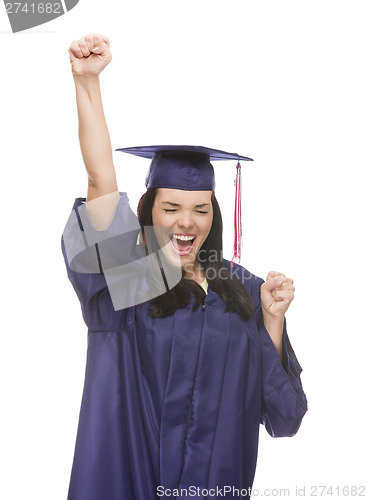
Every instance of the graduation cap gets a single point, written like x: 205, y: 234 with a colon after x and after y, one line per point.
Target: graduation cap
x: 189, y: 168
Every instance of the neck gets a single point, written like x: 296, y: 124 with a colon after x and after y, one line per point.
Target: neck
x: 194, y: 272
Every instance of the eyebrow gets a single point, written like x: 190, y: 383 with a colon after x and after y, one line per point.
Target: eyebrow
x: 177, y: 205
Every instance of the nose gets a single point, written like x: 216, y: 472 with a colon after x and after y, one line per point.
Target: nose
x: 185, y: 220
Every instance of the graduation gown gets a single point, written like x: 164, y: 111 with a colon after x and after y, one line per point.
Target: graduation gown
x: 175, y: 402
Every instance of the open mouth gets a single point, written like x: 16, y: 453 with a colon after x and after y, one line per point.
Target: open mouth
x: 182, y: 244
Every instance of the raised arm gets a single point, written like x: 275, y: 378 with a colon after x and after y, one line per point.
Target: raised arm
x: 88, y: 57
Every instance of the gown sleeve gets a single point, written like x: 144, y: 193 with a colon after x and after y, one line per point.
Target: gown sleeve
x: 89, y: 254
x: 284, y: 402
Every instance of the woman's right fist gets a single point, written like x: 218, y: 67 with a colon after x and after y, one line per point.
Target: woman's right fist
x: 90, y: 55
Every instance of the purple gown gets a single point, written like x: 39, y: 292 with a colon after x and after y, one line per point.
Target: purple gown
x: 175, y: 402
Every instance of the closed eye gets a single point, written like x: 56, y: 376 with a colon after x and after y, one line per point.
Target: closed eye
x: 171, y: 210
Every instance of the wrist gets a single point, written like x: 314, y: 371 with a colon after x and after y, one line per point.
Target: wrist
x: 271, y: 319
x: 86, y: 80
x: 87, y: 86
x: 274, y: 326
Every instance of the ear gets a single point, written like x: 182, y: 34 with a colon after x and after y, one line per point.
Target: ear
x: 142, y: 238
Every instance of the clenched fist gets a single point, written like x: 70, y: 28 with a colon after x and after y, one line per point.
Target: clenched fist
x: 276, y: 295
x: 90, y: 55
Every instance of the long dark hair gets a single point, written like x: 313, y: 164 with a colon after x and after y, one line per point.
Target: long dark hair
x: 225, y: 284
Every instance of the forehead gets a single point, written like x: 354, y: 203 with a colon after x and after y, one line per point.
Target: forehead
x: 183, y: 197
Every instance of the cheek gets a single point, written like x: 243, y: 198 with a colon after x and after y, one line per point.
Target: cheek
x: 207, y: 226
x: 210, y: 223
x: 156, y: 218
x: 160, y: 218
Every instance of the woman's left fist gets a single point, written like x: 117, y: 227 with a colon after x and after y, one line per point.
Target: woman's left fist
x: 276, y: 293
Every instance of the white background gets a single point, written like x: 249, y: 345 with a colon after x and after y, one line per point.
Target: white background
x: 283, y: 82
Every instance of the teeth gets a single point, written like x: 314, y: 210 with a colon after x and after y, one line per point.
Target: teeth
x: 183, y: 238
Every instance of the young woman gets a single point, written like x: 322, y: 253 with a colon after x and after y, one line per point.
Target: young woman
x: 175, y: 386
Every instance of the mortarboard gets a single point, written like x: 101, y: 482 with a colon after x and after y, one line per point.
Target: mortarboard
x: 189, y: 168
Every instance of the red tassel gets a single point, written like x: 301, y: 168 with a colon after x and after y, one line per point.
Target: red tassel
x: 237, y: 219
